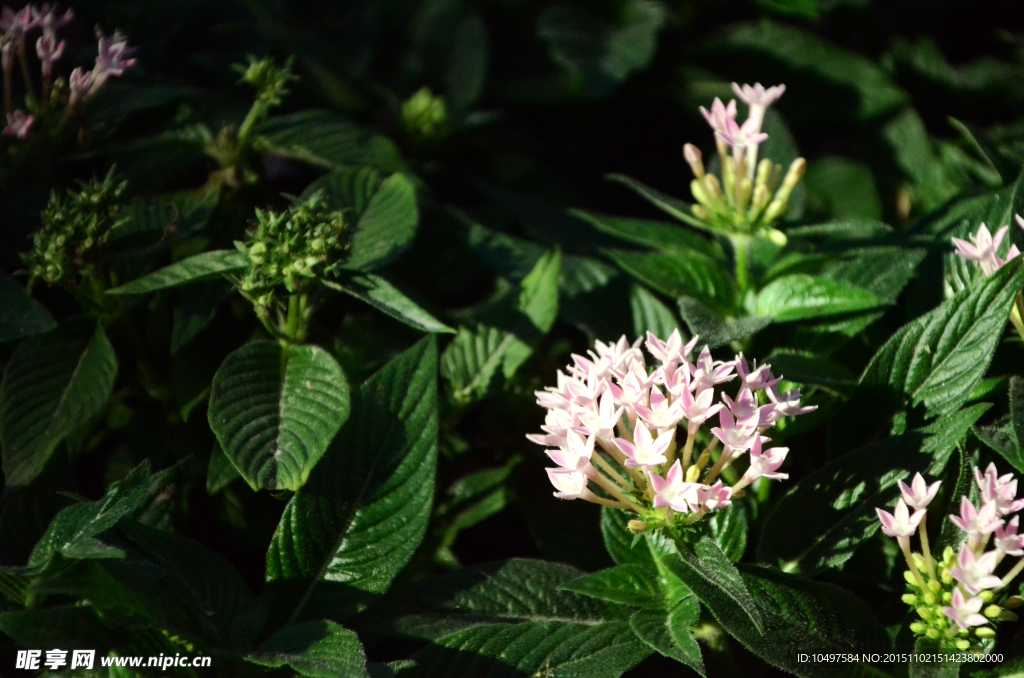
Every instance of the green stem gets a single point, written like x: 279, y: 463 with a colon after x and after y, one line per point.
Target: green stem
x: 740, y: 249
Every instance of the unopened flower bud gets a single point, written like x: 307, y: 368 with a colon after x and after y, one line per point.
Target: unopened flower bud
x: 777, y: 237
x: 1013, y: 602
x: 932, y: 633
x: 962, y: 644
x: 947, y: 597
x: 929, y: 598
x: 1006, y: 615
x: 992, y: 611
x: 692, y: 474
x: 636, y: 526
x: 925, y: 612
x: 918, y: 627
x: 985, y: 632
x: 934, y: 585
x: 694, y: 159
x: 986, y: 596
x: 909, y: 577
x: 910, y: 599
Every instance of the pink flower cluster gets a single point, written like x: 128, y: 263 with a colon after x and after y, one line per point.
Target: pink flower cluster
x: 984, y: 248
x: 610, y: 403
x: 974, y: 568
x: 115, y: 56
x: 748, y: 136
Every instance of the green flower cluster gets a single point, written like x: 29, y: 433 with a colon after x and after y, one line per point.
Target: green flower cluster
x: 76, y: 226
x: 937, y: 595
x: 268, y: 78
x: 425, y: 116
x: 288, y: 251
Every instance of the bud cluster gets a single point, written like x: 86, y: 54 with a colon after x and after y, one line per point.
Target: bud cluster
x: 113, y: 59
x: 959, y: 598
x: 288, y: 251
x: 425, y: 116
x: 75, y: 227
x: 613, y: 427
x: 750, y: 195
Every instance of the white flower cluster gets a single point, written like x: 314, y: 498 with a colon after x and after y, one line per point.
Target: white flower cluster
x: 949, y: 594
x: 613, y: 422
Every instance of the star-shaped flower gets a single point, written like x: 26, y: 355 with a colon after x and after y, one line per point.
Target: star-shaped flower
x: 964, y: 613
x: 672, y: 491
x: 765, y: 464
x: 645, y: 451
x: 900, y: 523
x: 919, y: 493
x: 568, y: 484
x: 975, y: 574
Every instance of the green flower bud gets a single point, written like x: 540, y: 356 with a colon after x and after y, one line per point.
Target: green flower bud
x: 985, y: 632
x: 925, y: 612
x: 934, y: 585
x: 986, y: 596
x: 910, y: 599
x: 636, y: 526
x: 932, y: 633
x: 962, y: 644
x: 929, y: 598
x: 910, y: 578
x: 918, y: 627
x: 1013, y: 602
x: 992, y: 611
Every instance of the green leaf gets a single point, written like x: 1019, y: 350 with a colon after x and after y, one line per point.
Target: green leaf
x: 669, y: 634
x: 361, y: 516
x: 195, y: 309
x: 466, y: 70
x: 514, y: 618
x: 654, y: 234
x: 221, y: 471
x: 729, y: 531
x: 675, y: 207
x: 506, y: 336
x: 935, y: 361
x: 326, y: 139
x: 835, y: 505
x: 714, y: 329
x: 53, y: 383
x: 20, y: 315
x: 275, y: 410
x: 782, y: 616
x: 834, y: 83
x: 630, y: 584
x: 382, y: 295
x: 197, y: 268
x: 678, y: 275
x: 715, y: 580
x: 319, y: 649
x: 72, y: 532
x: 204, y: 596
x: 927, y: 669
x: 71, y: 627
x: 842, y: 189
x: 1017, y: 408
x: 798, y: 8
x: 386, y: 227
x: 649, y: 314
x: 600, y: 55
x: 801, y: 297
x: 801, y: 367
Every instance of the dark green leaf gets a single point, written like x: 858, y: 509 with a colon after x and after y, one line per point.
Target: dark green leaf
x: 383, y: 296
x: 1017, y: 408
x: 218, y: 606
x: 813, y: 370
x: 20, y: 316
x: 362, y: 514
x: 781, y: 616
x: 514, y: 618
x: 714, y: 329
x: 323, y: 138
x: 197, y: 268
x: 73, y: 531
x: 674, y: 206
x: 70, y: 627
x: 195, y: 309
x: 835, y: 505
x: 715, y: 580
x: 629, y: 584
x: 318, y: 649
x: 729, y: 530
x: 649, y: 314
x: 936, y: 361
x: 386, y: 227
x: 801, y: 297
x: 678, y: 275
x: 54, y: 383
x: 835, y: 83
x: 654, y: 234
x: 507, y: 335
x: 843, y: 189
x: 221, y: 471
x: 675, y: 641
x: 928, y: 669
x: 467, y: 63
x: 275, y: 409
